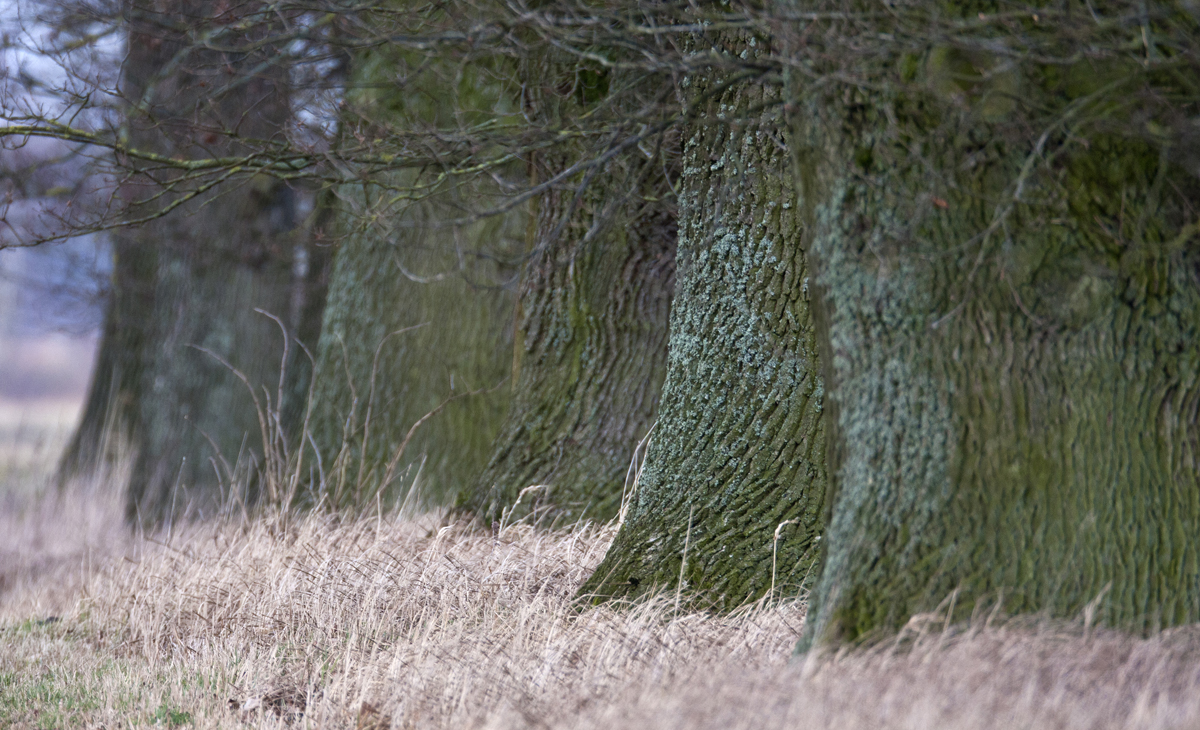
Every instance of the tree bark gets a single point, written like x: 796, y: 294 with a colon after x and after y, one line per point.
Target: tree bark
x: 729, y: 502
x: 186, y: 284
x: 419, y: 323
x: 416, y: 345
x: 1010, y: 327
x: 594, y: 306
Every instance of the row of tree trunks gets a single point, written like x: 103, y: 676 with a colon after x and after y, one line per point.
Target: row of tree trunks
x: 1007, y: 341
x: 729, y: 502
x: 186, y: 285
x: 1003, y: 412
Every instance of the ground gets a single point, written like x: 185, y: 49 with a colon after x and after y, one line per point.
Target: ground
x: 405, y: 621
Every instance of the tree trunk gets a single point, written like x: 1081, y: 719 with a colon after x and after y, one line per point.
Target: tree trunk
x: 186, y: 284
x: 729, y: 503
x: 105, y: 432
x: 415, y: 352
x: 419, y: 323
x: 595, y: 302
x: 1013, y: 362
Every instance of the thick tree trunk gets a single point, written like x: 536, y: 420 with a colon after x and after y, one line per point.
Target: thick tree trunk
x: 419, y: 324
x: 415, y: 353
x: 594, y: 306
x: 199, y: 427
x: 1014, y: 371
x: 186, y: 285
x: 594, y: 302
x: 729, y: 503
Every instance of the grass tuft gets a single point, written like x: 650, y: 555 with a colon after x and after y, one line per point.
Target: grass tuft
x: 393, y: 622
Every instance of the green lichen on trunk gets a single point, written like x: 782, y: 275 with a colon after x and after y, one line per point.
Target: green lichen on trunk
x: 1011, y: 348
x: 729, y: 502
x: 595, y: 302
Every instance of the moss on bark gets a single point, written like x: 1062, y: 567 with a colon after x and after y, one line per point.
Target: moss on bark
x: 729, y: 502
x: 1013, y: 360
x: 595, y: 301
x: 418, y: 323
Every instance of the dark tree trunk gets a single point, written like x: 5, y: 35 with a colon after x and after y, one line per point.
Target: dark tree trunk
x: 186, y: 284
x: 312, y: 271
x: 729, y: 503
x: 594, y: 302
x: 594, y: 306
x: 1014, y: 371
x: 199, y: 427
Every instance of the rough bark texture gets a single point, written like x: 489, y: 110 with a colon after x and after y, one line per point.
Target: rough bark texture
x: 190, y: 280
x: 419, y: 322
x: 595, y: 302
x: 415, y: 354
x: 1013, y: 362
x: 729, y: 503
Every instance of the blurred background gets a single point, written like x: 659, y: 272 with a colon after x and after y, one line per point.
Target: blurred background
x: 52, y: 296
x: 51, y: 304
x: 51, y: 308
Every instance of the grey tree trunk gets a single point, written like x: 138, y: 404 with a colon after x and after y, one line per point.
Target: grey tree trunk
x: 729, y: 503
x: 1014, y: 377
x: 594, y: 307
x: 186, y: 284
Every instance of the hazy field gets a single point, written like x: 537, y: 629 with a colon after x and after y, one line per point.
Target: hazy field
x: 403, y: 621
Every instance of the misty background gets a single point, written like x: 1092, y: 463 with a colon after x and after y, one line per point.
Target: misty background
x: 51, y: 306
x: 52, y: 295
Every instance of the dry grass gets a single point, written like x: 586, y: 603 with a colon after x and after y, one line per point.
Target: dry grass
x: 404, y: 622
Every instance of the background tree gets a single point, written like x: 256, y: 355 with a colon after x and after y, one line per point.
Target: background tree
x: 186, y: 284
x: 440, y: 147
